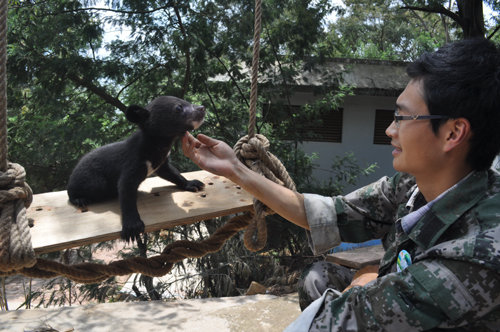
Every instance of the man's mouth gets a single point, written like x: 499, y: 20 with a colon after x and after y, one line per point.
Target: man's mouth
x: 397, y: 147
x: 397, y: 150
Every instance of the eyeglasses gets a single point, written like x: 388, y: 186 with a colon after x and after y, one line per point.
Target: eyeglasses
x: 398, y: 118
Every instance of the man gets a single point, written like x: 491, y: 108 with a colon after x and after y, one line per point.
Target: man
x: 438, y: 217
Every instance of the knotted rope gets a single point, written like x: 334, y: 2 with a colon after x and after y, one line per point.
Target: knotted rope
x: 252, y: 150
x: 156, y: 266
x: 3, y: 85
x: 16, y: 250
x: 15, y: 195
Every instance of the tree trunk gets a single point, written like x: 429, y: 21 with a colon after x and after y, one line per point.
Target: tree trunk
x: 469, y: 16
x: 472, y: 13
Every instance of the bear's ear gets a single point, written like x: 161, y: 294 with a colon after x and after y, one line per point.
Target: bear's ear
x: 136, y: 114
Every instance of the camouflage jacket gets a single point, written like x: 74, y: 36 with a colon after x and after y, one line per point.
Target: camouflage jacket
x: 454, y: 279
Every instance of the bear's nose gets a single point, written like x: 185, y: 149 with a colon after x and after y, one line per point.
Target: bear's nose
x: 201, y: 109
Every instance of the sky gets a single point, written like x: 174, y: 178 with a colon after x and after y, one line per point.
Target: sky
x: 113, y: 33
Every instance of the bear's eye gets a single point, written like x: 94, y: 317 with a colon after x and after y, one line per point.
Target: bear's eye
x: 178, y: 108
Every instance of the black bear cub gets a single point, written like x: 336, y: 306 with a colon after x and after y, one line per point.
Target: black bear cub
x: 117, y: 169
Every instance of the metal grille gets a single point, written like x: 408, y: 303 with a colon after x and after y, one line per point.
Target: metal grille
x: 383, y: 119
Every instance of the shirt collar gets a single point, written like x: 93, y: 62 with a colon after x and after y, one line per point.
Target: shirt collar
x: 418, y: 202
x: 447, y: 208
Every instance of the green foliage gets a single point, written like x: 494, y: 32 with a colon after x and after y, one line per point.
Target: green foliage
x: 68, y: 84
x: 345, y: 171
x: 382, y: 30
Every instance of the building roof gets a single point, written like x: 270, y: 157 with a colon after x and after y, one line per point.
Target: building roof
x: 369, y: 77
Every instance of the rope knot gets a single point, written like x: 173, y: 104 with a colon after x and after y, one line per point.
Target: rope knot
x: 13, y: 187
x: 251, y: 150
x: 16, y: 250
x: 254, y: 153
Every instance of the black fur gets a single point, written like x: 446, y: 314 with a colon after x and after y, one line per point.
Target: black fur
x: 117, y: 169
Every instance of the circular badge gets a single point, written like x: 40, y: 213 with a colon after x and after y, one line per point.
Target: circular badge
x: 404, y: 260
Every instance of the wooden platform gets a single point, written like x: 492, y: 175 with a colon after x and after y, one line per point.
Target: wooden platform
x: 359, y: 257
x: 60, y: 225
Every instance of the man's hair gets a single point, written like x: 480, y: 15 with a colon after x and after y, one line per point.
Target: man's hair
x: 462, y: 80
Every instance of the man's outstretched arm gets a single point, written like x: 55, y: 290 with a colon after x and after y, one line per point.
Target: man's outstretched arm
x: 219, y: 158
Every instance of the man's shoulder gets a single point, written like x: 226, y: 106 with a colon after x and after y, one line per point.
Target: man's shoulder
x: 493, y: 187
x: 487, y: 209
x: 491, y: 196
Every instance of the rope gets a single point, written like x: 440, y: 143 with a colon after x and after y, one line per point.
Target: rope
x: 3, y: 85
x: 16, y: 250
x: 252, y: 150
x: 156, y: 266
x: 255, y: 69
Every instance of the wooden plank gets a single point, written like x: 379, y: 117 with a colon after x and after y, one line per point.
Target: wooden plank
x: 359, y: 257
x: 60, y: 225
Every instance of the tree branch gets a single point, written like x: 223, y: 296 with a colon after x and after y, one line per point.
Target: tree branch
x: 440, y: 10
x: 28, y: 5
x: 168, y: 5
x: 187, y: 53
x: 97, y: 90
x: 282, y: 74
x: 495, y: 31
x: 138, y: 78
x: 216, y: 112
x: 230, y: 76
x: 422, y: 22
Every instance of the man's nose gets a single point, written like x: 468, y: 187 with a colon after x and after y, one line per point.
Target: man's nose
x: 392, y: 130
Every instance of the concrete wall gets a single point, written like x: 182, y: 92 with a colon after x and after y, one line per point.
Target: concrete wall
x: 357, y: 136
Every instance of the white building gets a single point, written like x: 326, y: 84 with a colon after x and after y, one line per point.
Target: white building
x: 359, y: 126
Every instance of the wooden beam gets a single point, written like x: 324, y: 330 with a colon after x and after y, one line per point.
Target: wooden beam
x: 60, y: 225
x: 359, y: 257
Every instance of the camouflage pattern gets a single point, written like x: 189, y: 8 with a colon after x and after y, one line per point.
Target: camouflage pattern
x: 453, y: 282
x: 317, y: 277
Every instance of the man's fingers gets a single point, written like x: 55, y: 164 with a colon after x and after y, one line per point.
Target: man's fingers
x: 185, y: 143
x: 189, y: 143
x: 207, y: 140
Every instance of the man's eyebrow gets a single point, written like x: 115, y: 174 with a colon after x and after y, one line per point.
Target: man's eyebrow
x: 401, y: 107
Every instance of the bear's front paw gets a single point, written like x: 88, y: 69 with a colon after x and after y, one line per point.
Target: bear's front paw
x: 195, y: 185
x: 131, y: 229
x: 80, y: 202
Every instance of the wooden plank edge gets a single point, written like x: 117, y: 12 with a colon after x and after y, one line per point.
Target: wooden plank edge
x: 149, y: 228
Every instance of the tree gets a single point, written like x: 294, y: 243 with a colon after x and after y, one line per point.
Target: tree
x: 468, y: 14
x: 380, y: 30
x: 403, y: 29
x: 68, y: 87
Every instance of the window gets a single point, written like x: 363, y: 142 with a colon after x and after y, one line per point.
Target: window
x: 331, y: 127
x: 383, y: 119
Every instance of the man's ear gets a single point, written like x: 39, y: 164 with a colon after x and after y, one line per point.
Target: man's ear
x: 136, y: 114
x: 458, y: 133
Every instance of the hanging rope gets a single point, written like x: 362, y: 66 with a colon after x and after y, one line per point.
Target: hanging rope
x: 16, y: 250
x: 3, y: 85
x: 252, y: 150
x: 255, y: 69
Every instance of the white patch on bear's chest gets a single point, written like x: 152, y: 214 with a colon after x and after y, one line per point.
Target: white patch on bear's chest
x: 151, y: 170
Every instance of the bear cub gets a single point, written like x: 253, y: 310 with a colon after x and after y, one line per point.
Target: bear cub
x: 117, y: 169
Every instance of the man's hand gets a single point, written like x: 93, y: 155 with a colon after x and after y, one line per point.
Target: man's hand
x: 218, y: 158
x: 363, y: 276
x: 209, y: 154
